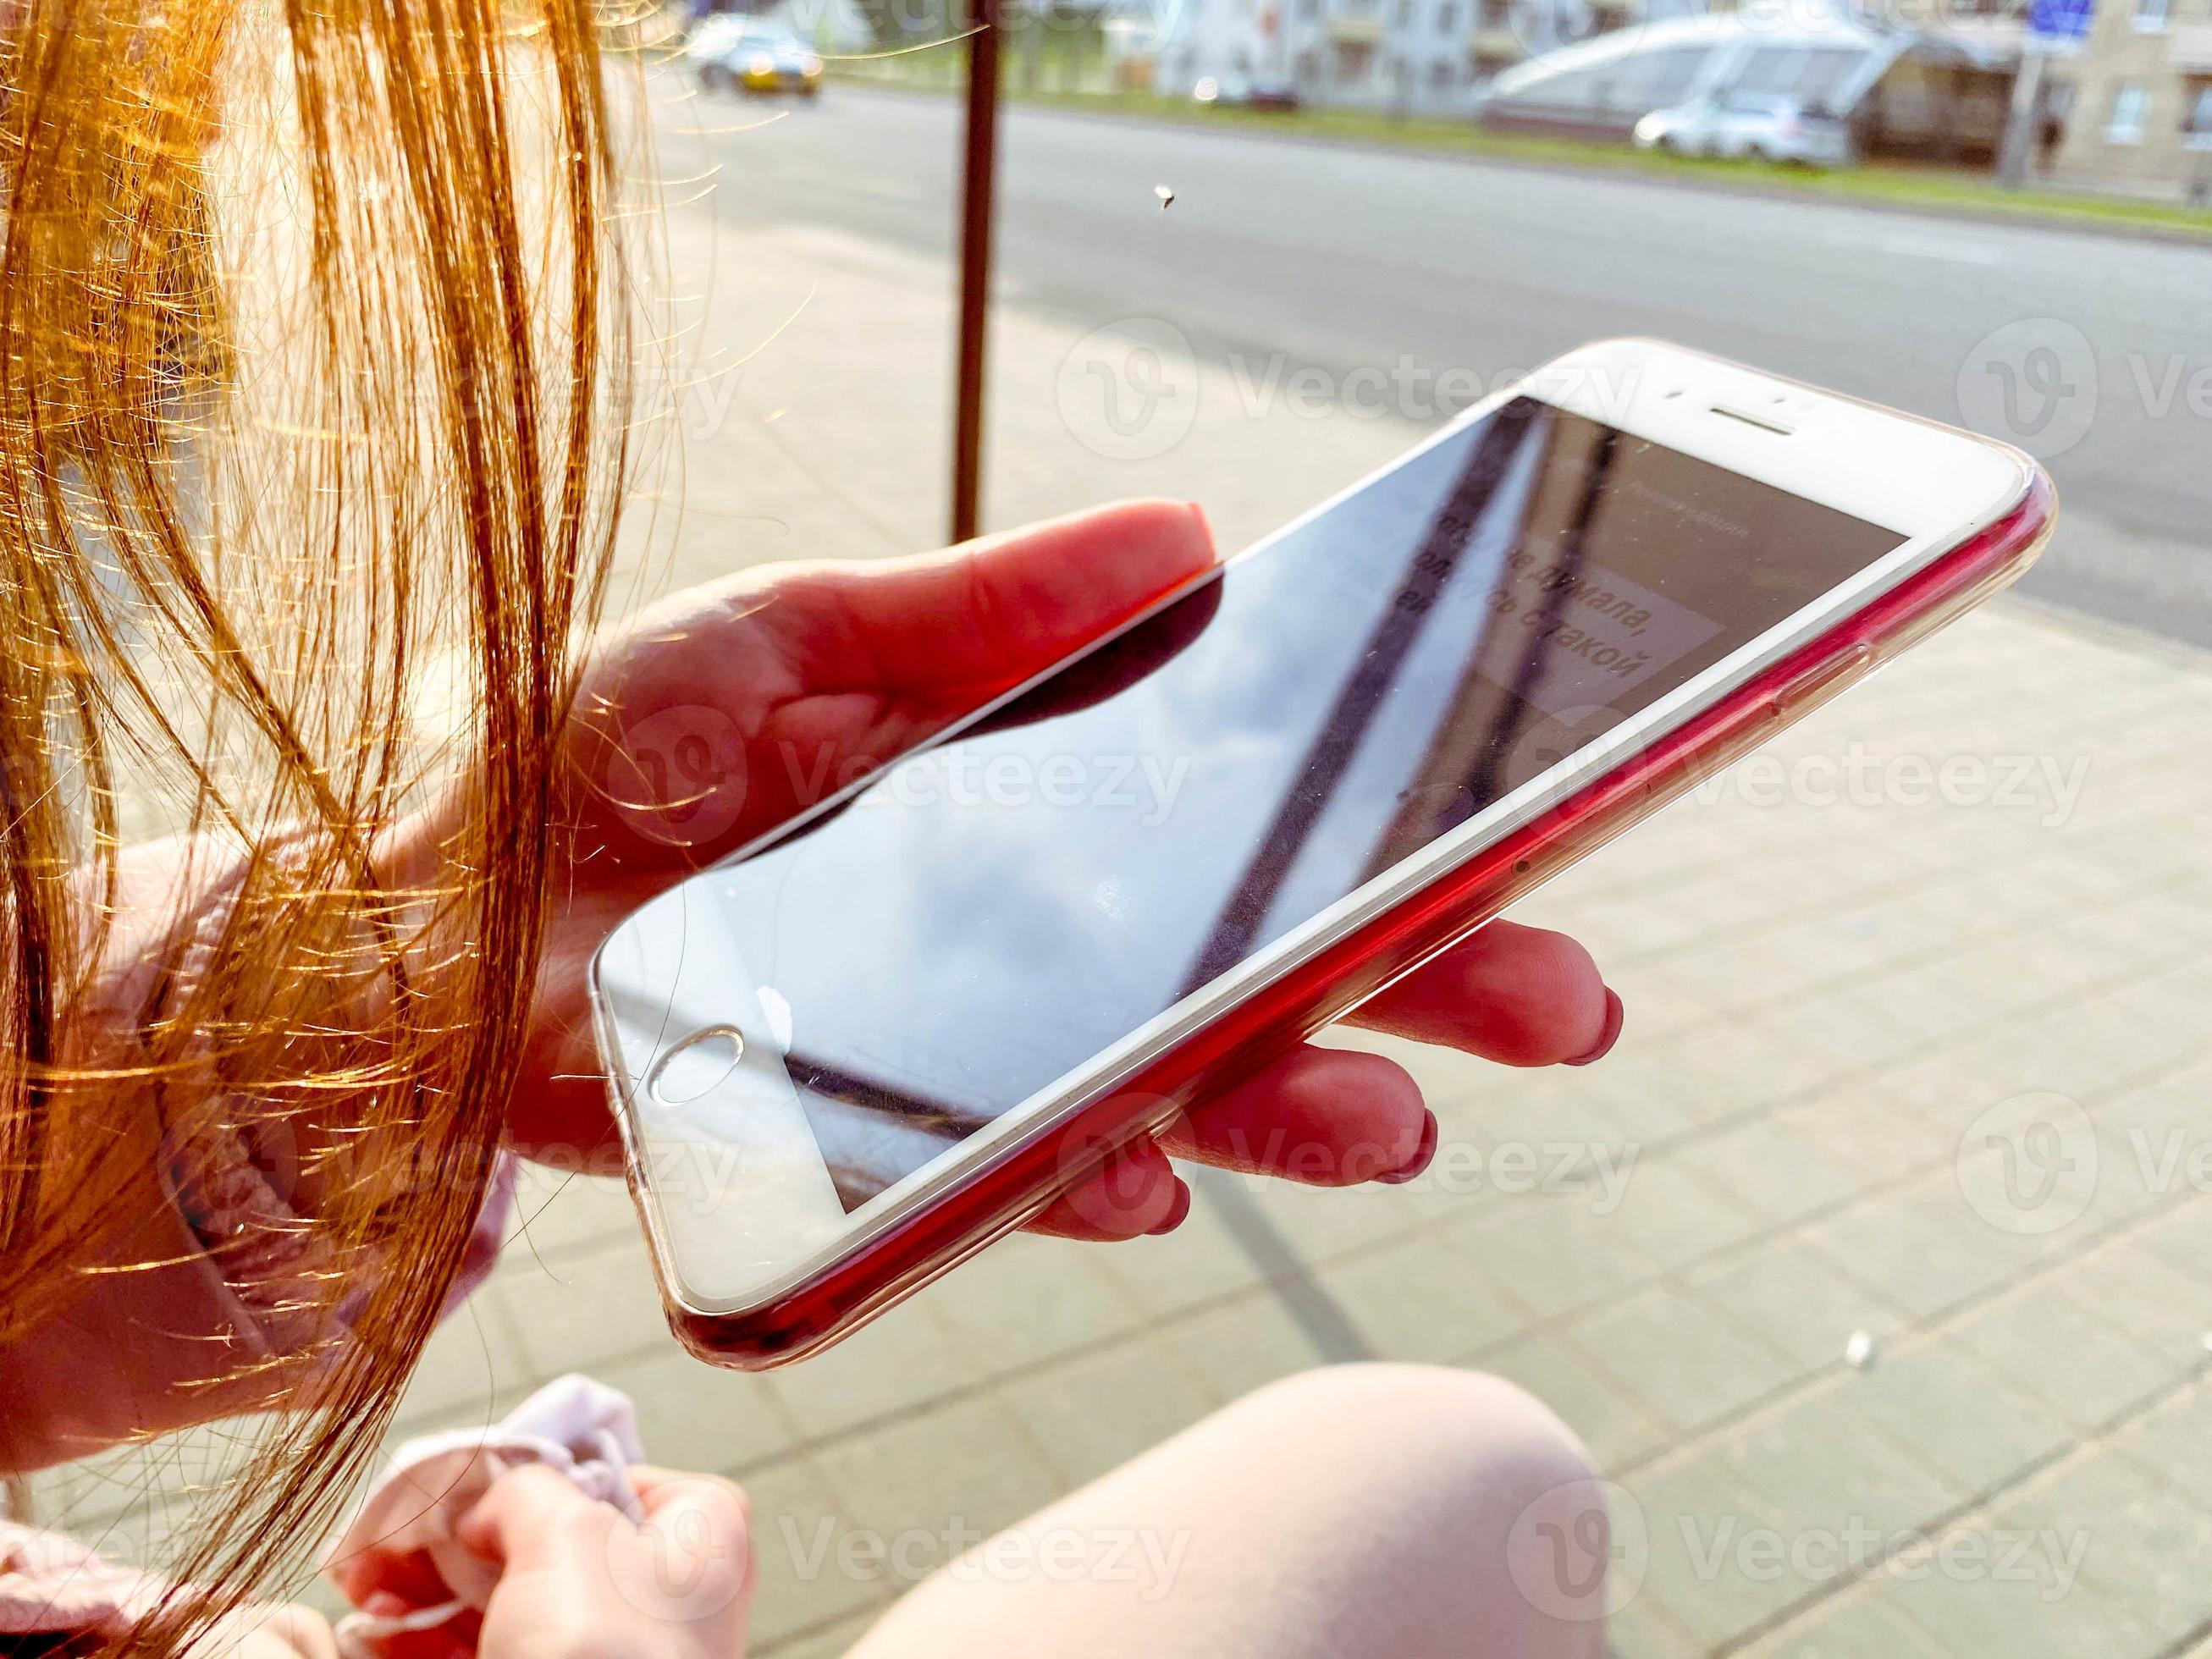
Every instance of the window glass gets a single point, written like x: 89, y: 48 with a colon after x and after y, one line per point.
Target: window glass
x: 1828, y: 72
x: 2130, y: 104
x: 1812, y: 77
x: 1652, y: 80
x: 1772, y: 69
x: 2198, y: 127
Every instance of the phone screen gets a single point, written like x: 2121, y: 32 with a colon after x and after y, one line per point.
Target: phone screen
x: 992, y: 913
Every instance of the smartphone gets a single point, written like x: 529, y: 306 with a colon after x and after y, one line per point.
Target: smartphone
x: 856, y: 1053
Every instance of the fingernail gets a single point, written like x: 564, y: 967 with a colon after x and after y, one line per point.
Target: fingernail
x: 1177, y: 1213
x: 1615, y: 1015
x: 1423, y: 1154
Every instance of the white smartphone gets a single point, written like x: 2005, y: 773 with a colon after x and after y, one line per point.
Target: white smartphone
x: 856, y: 1052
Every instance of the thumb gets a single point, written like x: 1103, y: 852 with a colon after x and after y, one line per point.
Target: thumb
x: 532, y: 1518
x: 700, y: 1530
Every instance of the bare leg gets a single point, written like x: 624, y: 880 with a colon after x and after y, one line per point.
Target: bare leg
x: 1363, y: 1509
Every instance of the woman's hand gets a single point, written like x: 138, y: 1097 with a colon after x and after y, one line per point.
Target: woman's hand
x: 577, y: 1579
x: 722, y: 712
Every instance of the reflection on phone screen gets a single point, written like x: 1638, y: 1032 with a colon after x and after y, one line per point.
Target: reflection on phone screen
x: 996, y: 911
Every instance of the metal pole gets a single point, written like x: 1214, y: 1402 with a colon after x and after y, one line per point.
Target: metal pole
x: 976, y: 187
x: 2022, y: 116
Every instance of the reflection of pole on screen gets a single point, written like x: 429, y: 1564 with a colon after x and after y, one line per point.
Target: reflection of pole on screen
x: 1435, y: 559
x: 1572, y: 549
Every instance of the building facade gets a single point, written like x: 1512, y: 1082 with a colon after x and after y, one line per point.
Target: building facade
x: 2131, y: 109
x: 1418, y: 57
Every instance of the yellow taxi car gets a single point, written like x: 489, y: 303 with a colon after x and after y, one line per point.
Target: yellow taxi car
x: 733, y: 53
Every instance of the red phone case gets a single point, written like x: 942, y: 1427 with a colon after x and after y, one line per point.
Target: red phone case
x: 1031, y: 1175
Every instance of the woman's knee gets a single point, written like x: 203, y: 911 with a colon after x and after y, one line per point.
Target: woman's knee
x: 1480, y: 1428
x: 1459, y: 1487
x: 1359, y: 1508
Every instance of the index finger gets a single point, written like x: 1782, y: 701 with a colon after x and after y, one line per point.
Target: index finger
x: 990, y: 613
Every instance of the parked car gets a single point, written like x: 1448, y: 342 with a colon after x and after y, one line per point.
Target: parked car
x: 732, y: 53
x: 1755, y: 125
x: 1238, y: 92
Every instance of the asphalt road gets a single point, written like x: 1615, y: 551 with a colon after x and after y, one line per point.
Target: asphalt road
x: 2095, y: 349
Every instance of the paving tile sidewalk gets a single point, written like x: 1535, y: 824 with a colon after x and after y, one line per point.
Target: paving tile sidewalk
x: 1918, y: 1046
